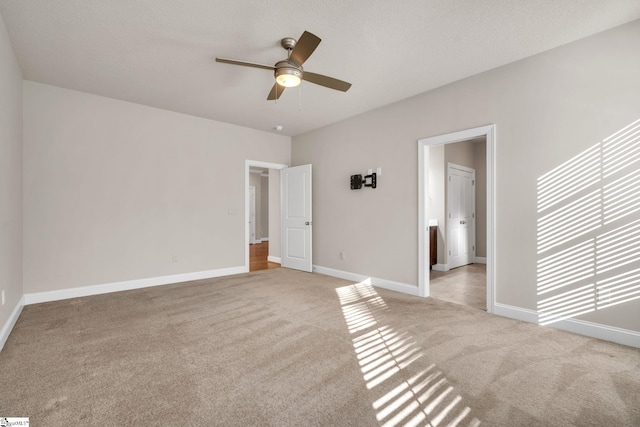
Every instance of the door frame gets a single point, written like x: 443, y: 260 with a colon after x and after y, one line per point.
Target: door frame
x: 248, y: 164
x: 489, y: 132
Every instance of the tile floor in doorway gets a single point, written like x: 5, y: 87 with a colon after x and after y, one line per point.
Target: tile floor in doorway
x: 465, y: 285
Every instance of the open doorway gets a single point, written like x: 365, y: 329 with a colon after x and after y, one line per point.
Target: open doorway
x: 259, y: 230
x: 457, y: 214
x: 456, y: 261
x: 262, y: 214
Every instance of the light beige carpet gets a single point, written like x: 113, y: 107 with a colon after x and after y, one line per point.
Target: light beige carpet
x: 285, y: 348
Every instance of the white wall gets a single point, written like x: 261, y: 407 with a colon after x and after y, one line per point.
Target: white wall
x: 547, y: 109
x: 10, y: 182
x: 113, y: 190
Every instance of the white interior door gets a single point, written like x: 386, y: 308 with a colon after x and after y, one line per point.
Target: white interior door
x: 296, y: 218
x: 252, y: 215
x: 461, y: 204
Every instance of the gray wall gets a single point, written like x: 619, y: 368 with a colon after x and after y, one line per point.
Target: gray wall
x: 10, y: 177
x: 261, y: 183
x: 437, y: 206
x: 274, y: 213
x: 256, y: 181
x: 264, y: 206
x: 480, y: 156
x: 113, y: 190
x: 547, y: 109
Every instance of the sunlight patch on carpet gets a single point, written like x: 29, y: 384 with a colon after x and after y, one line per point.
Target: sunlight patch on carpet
x: 420, y: 397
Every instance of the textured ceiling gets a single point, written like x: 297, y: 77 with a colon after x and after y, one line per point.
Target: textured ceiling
x: 161, y: 52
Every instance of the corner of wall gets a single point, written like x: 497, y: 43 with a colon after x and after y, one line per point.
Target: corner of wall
x: 10, y: 323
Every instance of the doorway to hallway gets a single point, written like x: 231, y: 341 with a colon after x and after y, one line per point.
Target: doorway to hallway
x: 431, y: 206
x: 259, y: 257
x: 466, y: 285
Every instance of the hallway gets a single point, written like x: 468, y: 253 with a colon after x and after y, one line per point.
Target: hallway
x: 465, y: 285
x: 258, y: 255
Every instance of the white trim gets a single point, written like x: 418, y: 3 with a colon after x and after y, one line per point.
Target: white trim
x: 488, y: 131
x: 83, y: 291
x: 247, y: 167
x: 445, y: 267
x: 603, y: 332
x: 405, y: 288
x: 576, y: 326
x: 513, y: 312
x: 423, y: 211
x: 11, y: 322
x: 264, y: 239
x: 275, y: 259
x: 440, y: 267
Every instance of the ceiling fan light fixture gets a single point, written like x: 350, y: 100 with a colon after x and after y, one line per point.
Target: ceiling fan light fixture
x: 288, y: 76
x: 289, y: 72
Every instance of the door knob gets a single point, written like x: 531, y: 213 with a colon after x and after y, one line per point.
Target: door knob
x: 307, y: 223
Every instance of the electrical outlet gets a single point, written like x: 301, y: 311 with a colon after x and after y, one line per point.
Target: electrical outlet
x: 342, y: 255
x: 3, y: 300
x: 174, y: 258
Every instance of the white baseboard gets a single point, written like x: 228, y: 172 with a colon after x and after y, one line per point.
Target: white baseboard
x: 38, y: 297
x: 264, y: 239
x: 8, y: 326
x: 275, y: 259
x: 514, y: 312
x: 374, y: 281
x: 440, y: 267
x: 445, y: 267
x: 590, y: 329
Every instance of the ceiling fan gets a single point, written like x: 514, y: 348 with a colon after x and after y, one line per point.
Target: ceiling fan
x: 289, y: 72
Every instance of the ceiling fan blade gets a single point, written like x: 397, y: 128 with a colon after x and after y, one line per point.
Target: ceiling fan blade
x: 245, y: 63
x: 304, y: 47
x: 276, y: 92
x: 326, y: 81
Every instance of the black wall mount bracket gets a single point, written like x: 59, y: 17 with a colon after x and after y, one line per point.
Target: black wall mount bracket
x: 358, y: 181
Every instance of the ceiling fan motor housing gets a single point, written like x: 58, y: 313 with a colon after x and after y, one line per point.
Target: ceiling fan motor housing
x: 288, y: 74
